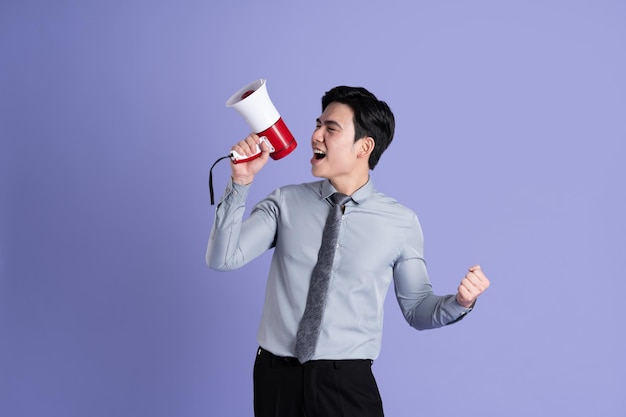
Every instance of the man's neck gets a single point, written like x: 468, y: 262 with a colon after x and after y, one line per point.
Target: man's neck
x: 348, y: 185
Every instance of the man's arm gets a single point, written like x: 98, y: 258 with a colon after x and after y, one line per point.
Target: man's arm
x: 422, y: 308
x: 233, y: 242
x: 425, y: 310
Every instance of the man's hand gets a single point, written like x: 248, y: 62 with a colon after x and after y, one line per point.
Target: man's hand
x: 243, y: 172
x: 474, y: 284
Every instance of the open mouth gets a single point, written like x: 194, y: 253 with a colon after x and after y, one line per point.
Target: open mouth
x: 319, y: 154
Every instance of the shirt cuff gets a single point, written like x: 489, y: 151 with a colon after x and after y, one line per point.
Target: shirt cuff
x: 460, y: 310
x: 235, y: 194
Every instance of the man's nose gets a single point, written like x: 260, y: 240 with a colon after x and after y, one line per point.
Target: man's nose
x: 317, y: 136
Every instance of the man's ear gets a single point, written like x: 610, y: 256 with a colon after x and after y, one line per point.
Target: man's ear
x: 366, y: 146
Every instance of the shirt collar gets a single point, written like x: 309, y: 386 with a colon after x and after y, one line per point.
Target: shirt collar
x: 359, y: 196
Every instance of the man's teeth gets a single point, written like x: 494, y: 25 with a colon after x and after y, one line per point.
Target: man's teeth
x: 319, y: 154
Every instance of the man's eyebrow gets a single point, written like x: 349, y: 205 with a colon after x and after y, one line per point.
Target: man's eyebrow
x: 329, y: 122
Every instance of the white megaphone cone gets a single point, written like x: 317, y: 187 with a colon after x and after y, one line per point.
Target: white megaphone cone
x: 253, y: 103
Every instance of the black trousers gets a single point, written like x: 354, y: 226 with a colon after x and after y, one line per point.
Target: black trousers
x: 325, y: 388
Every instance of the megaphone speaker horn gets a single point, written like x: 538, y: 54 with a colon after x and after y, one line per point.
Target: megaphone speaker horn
x: 253, y: 103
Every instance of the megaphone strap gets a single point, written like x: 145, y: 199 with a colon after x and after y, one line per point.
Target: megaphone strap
x: 211, y: 178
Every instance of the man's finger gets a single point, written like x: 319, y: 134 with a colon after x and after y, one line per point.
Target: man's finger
x: 475, y: 283
x: 477, y: 272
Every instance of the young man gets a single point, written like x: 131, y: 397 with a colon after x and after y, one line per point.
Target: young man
x: 380, y: 241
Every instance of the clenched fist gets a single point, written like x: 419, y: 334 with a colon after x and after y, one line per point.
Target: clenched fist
x: 472, y: 285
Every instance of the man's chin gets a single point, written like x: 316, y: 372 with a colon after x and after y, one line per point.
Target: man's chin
x: 317, y: 172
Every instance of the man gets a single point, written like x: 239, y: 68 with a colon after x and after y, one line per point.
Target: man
x: 380, y: 241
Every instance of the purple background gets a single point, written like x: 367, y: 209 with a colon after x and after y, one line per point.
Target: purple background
x: 510, y: 146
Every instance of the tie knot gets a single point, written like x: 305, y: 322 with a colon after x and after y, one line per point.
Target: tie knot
x: 340, y: 199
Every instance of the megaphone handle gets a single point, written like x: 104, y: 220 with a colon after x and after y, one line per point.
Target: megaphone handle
x: 237, y: 158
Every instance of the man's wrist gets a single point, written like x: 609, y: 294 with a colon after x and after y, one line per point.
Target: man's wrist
x: 465, y: 304
x: 243, y: 180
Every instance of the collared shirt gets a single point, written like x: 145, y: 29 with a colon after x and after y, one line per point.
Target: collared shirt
x: 380, y: 241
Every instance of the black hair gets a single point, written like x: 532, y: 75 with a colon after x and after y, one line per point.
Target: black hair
x: 372, y: 117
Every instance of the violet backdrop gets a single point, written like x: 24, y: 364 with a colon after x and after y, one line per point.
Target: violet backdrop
x: 510, y: 146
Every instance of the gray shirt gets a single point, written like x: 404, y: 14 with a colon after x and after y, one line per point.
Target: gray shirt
x: 380, y: 241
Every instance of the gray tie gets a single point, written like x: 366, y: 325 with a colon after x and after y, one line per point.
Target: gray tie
x: 310, y: 325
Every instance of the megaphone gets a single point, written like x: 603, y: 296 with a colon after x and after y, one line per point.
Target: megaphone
x: 253, y: 103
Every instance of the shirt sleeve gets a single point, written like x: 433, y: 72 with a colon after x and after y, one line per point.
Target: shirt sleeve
x: 234, y: 242
x: 421, y: 308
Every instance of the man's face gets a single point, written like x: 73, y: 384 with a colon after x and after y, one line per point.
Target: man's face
x: 334, y: 148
